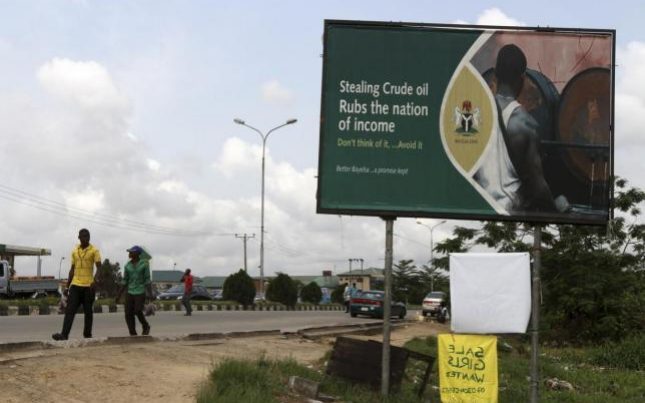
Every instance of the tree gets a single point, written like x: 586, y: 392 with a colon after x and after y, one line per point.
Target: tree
x: 311, y: 293
x: 337, y: 294
x: 108, y: 279
x: 283, y: 289
x: 406, y: 284
x: 434, y: 279
x: 239, y: 287
x: 593, y: 279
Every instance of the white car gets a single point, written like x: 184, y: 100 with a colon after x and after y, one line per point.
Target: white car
x: 432, y: 301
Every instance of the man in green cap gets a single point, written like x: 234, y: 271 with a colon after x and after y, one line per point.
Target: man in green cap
x: 136, y: 279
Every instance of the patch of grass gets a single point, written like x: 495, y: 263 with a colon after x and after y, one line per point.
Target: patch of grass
x: 265, y: 380
x: 575, y: 365
x: 627, y: 354
x: 49, y: 300
x: 250, y: 381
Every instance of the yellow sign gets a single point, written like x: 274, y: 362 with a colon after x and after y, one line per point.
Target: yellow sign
x: 468, y: 368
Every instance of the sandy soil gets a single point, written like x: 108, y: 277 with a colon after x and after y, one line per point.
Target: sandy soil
x: 151, y: 372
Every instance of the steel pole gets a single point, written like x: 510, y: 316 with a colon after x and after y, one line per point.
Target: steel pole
x: 387, y: 300
x: 264, y: 142
x: 431, y: 260
x: 60, y: 264
x: 535, y: 314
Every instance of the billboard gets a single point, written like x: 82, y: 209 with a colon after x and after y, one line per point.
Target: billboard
x: 470, y: 122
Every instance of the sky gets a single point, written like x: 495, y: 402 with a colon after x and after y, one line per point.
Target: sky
x: 118, y: 117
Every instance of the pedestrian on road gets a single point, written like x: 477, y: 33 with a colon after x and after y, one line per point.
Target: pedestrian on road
x: 187, y: 279
x: 348, y: 294
x: 136, y: 279
x: 81, y: 285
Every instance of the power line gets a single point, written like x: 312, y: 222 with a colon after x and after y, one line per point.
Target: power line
x: 60, y: 209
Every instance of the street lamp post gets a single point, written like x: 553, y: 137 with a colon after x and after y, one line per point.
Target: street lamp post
x: 431, y: 228
x: 60, y: 264
x: 264, y: 142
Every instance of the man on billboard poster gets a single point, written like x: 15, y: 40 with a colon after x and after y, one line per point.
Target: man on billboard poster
x: 512, y: 169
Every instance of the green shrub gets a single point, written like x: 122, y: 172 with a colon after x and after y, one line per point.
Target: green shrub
x: 337, y: 294
x: 239, y: 287
x: 627, y: 354
x: 311, y: 293
x: 283, y: 289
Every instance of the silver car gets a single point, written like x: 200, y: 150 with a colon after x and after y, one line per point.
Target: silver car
x: 432, y: 302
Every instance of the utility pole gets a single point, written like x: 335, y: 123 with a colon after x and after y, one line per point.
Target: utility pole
x: 355, y: 260
x: 244, y: 238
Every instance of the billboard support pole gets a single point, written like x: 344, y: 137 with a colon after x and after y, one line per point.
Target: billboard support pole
x: 385, y: 357
x: 535, y: 314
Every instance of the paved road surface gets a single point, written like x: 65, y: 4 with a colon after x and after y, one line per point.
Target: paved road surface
x: 39, y: 328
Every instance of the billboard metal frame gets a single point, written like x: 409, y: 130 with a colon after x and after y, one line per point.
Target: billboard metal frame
x: 533, y: 218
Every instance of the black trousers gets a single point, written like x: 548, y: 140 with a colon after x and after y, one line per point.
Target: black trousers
x: 78, y: 296
x: 134, y: 306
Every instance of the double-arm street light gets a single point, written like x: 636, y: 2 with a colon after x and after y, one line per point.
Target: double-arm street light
x: 264, y: 142
x: 431, y: 228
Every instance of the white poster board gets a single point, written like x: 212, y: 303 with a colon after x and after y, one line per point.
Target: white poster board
x: 490, y: 292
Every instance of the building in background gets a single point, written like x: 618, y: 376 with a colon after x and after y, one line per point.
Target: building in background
x: 367, y: 279
x: 164, y: 279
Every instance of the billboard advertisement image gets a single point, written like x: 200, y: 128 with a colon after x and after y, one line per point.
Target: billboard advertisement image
x: 466, y: 122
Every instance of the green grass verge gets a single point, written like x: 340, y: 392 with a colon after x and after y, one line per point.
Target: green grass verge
x: 266, y: 381
x: 610, y: 382
x: 49, y: 300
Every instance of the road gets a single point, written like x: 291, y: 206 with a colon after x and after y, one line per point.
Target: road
x: 171, y: 323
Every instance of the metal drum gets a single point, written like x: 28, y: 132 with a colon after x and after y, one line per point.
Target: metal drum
x: 539, y: 97
x: 584, y: 136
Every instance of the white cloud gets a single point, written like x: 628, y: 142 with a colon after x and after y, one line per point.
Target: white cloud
x: 154, y: 165
x: 630, y: 60
x: 87, y: 84
x: 495, y: 16
x: 237, y: 155
x: 275, y: 93
x: 630, y: 104
x: 92, y: 200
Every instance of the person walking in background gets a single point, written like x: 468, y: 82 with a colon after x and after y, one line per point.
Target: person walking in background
x: 136, y: 279
x: 187, y: 279
x: 348, y: 294
x: 81, y: 285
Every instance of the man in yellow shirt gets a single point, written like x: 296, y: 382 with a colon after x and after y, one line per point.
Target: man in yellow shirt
x: 80, y: 285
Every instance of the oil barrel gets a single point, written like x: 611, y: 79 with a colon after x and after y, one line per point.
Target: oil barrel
x: 583, y: 139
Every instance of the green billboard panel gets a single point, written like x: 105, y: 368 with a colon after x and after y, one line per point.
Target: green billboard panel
x: 466, y: 122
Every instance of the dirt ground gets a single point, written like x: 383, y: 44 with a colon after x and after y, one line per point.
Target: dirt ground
x: 170, y: 371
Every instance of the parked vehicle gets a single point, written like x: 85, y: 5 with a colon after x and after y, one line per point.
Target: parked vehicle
x: 432, y: 302
x: 370, y: 303
x: 199, y: 293
x: 24, y: 286
x: 216, y: 294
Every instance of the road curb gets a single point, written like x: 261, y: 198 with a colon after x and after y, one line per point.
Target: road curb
x: 23, y: 346
x: 362, y: 328
x: 23, y: 310
x: 308, y: 333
